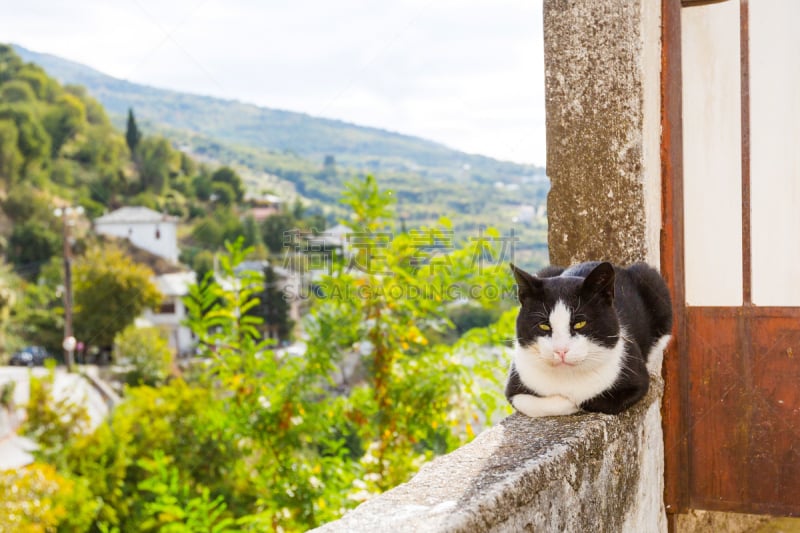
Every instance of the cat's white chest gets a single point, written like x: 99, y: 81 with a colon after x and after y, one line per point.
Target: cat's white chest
x: 577, y: 383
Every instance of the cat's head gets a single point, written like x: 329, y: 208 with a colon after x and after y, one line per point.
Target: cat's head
x: 567, y: 321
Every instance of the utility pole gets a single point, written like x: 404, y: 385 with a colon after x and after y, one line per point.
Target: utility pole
x: 69, y: 339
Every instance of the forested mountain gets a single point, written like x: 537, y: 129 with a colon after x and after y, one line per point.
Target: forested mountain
x: 244, y: 124
x: 292, y: 153
x: 58, y: 149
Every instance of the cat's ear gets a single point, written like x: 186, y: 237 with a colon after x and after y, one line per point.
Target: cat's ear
x: 528, y: 285
x: 600, y: 282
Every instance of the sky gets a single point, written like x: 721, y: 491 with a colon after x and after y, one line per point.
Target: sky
x: 466, y: 73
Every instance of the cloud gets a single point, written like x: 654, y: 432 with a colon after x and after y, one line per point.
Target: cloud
x: 467, y: 73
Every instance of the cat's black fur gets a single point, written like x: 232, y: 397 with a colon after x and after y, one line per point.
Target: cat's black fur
x: 606, y: 297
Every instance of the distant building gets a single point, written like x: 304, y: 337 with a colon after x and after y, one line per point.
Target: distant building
x: 262, y: 207
x: 153, y: 231
x: 172, y: 312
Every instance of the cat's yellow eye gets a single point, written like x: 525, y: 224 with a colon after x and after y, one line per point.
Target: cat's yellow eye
x: 544, y: 327
x: 579, y: 325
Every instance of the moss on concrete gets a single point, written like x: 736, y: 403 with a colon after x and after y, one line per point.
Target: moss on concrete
x: 593, y: 89
x: 586, y: 472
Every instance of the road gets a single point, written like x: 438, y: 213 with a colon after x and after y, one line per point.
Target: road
x: 73, y: 387
x: 14, y: 451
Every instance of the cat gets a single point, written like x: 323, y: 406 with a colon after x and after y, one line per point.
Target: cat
x: 586, y: 336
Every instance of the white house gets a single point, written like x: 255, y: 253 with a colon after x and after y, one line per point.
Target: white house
x: 153, y: 231
x: 172, y: 312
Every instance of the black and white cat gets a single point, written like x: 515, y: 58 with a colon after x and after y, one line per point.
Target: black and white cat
x: 586, y: 336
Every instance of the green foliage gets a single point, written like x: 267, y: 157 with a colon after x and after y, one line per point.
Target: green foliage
x: 229, y: 176
x: 273, y: 229
x: 32, y: 244
x: 223, y: 193
x: 110, y: 292
x: 466, y: 317
x: 24, y: 203
x: 156, y: 161
x: 7, y: 394
x: 38, y: 316
x: 267, y: 441
x: 408, y: 396
x: 213, y: 230
x: 251, y: 232
x: 65, y: 121
x: 32, y: 139
x: 272, y: 307
x: 38, y: 499
x: 132, y: 133
x: 51, y: 422
x: 147, y: 352
x: 10, y: 63
x: 313, y: 156
x: 176, y: 505
x: 43, y: 86
x: 10, y: 156
x: 16, y: 91
x: 260, y: 439
x: 203, y: 263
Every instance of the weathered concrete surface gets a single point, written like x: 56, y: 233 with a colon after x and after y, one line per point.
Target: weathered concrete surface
x: 602, y: 65
x: 586, y: 472
x: 711, y: 522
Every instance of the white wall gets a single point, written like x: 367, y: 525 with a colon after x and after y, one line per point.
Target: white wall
x: 143, y: 235
x: 712, y: 177
x: 775, y: 151
x: 651, y: 126
x: 179, y: 336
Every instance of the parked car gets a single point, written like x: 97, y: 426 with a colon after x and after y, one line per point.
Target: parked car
x: 30, y: 356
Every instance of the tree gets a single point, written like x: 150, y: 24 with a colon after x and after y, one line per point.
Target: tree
x: 156, y: 160
x: 10, y: 63
x: 38, y: 316
x: 31, y: 245
x: 148, y: 354
x: 24, y: 202
x: 273, y: 307
x: 223, y: 193
x: 132, y: 133
x: 32, y: 138
x: 110, y: 292
x: 229, y: 176
x: 273, y: 229
x: 328, y: 168
x: 251, y: 233
x: 65, y: 120
x: 10, y: 157
x: 203, y: 263
x: 16, y: 91
x: 43, y: 86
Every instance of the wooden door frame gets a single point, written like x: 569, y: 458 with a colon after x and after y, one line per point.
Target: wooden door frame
x: 675, y: 370
x: 678, y: 431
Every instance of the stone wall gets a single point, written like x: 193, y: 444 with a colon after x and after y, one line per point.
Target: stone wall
x: 602, y: 90
x: 585, y: 472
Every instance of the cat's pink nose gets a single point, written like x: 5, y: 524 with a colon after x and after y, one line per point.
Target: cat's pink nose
x: 561, y: 353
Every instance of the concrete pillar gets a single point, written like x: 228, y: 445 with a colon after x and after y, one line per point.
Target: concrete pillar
x: 602, y: 89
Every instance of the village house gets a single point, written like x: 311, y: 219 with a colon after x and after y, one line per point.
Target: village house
x: 150, y: 230
x: 170, y: 316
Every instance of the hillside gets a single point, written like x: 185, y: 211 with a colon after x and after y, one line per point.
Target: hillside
x: 284, y: 152
x: 310, y: 137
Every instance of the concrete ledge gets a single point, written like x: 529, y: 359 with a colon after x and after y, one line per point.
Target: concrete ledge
x: 586, y: 472
x: 92, y: 375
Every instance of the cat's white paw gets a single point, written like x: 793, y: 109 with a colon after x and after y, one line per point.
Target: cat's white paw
x: 535, y: 406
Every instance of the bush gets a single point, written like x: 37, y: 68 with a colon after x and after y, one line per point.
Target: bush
x: 38, y: 499
x: 148, y: 354
x: 52, y: 422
